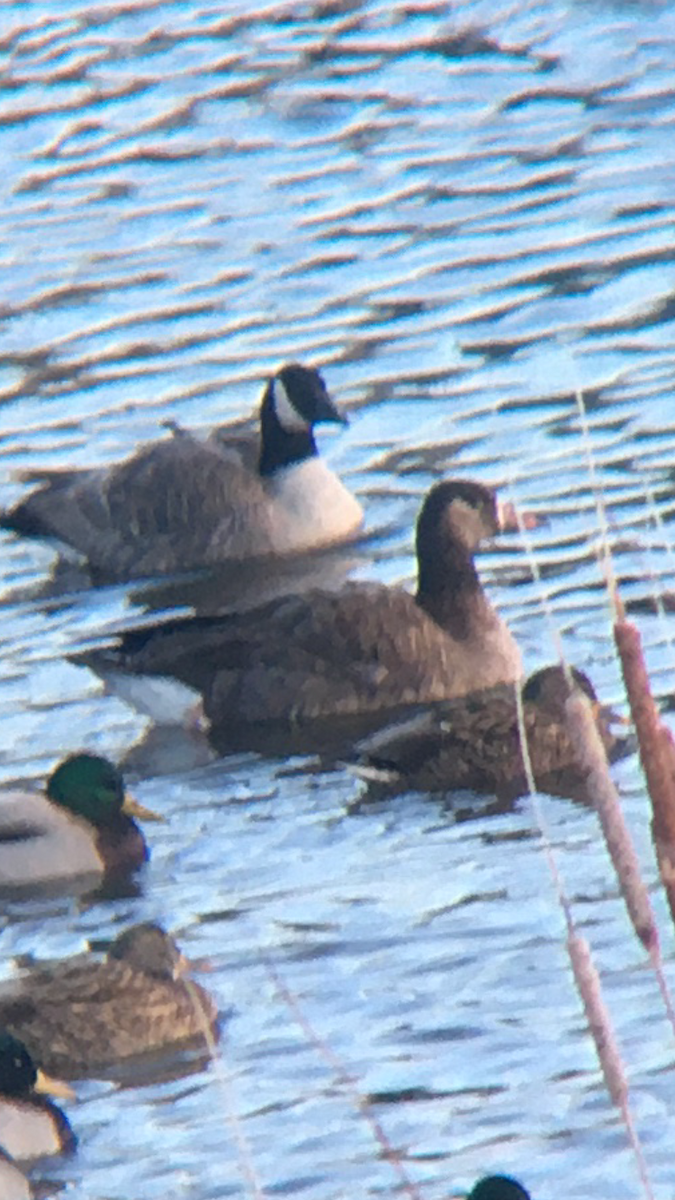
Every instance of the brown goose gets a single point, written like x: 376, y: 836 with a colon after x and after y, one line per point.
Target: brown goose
x: 183, y: 502
x: 363, y: 649
x: 474, y: 742
x: 82, y: 1016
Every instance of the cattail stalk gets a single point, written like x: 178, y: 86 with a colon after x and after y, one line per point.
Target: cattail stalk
x: 590, y: 754
x: 600, y: 1026
x: 588, y: 745
x: 657, y: 751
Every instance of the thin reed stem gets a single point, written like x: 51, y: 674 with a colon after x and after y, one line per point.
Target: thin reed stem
x: 347, y: 1081
x: 245, y: 1158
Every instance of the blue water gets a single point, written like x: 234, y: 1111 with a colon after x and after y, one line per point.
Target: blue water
x: 464, y: 215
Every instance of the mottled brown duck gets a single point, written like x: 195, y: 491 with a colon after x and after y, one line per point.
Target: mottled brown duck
x: 82, y: 1016
x: 474, y: 743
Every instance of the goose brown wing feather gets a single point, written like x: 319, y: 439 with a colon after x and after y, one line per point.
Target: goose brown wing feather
x: 312, y: 653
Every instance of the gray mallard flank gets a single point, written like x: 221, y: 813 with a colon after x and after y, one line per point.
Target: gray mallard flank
x: 82, y: 824
x: 474, y: 743
x: 81, y: 1016
x: 185, y: 502
x: 31, y: 1125
x: 362, y: 649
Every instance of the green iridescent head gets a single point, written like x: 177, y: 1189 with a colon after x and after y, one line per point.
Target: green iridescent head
x: 19, y: 1076
x: 89, y: 786
x: 498, y: 1187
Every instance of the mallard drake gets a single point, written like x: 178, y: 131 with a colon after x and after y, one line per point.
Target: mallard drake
x: 498, y: 1187
x: 13, y: 1182
x: 474, y: 742
x: 84, y: 1015
x: 186, y: 502
x: 81, y: 824
x: 364, y: 648
x: 31, y: 1125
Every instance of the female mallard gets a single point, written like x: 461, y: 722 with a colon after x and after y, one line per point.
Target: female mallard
x: 474, y: 742
x: 498, y: 1187
x: 31, y: 1126
x: 188, y: 502
x: 82, y: 824
x: 79, y: 1017
x: 362, y: 649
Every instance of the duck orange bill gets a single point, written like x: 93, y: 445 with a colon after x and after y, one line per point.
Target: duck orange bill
x: 133, y: 809
x: 185, y: 965
x: 53, y: 1087
x: 604, y: 712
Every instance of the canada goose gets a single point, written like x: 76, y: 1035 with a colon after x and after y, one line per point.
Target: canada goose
x: 31, y: 1126
x: 365, y: 648
x: 183, y: 502
x: 81, y: 1016
x: 474, y: 742
x: 81, y: 824
x: 498, y: 1187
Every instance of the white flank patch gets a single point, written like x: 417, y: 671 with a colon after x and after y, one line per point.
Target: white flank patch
x: 27, y: 1132
x: 165, y: 700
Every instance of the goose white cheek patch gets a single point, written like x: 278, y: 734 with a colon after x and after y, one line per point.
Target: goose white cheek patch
x: 288, y: 416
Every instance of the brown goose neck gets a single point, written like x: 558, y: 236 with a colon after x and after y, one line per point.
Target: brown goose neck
x: 449, y: 589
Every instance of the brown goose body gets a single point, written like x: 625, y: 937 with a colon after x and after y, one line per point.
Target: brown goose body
x: 362, y: 649
x: 474, y: 743
x: 82, y: 1016
x: 186, y: 502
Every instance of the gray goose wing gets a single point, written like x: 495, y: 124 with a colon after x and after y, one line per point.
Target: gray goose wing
x: 175, y: 504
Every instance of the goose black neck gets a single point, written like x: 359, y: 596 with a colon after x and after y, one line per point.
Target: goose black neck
x: 281, y: 447
x: 448, y: 587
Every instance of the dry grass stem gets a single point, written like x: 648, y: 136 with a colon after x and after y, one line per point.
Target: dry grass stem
x: 586, y: 978
x: 245, y: 1158
x: 347, y: 1082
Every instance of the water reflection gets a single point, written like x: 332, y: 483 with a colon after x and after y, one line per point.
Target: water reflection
x: 465, y: 217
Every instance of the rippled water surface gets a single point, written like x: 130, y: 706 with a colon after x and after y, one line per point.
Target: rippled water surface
x: 464, y: 214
